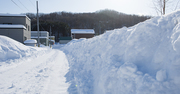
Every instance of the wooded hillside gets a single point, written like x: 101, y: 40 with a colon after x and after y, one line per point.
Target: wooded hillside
x: 62, y: 22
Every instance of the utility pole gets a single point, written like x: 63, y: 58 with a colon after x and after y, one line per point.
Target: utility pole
x: 38, y: 24
x: 50, y: 38
x: 50, y: 31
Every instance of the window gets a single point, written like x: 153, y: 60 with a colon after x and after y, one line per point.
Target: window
x: 25, y: 38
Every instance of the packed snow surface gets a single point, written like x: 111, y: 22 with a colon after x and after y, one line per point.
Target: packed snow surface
x: 143, y: 59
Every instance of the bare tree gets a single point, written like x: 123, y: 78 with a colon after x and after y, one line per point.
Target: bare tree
x: 161, y: 5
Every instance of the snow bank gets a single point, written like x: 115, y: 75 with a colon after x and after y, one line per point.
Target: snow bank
x: 11, y: 50
x: 143, y: 59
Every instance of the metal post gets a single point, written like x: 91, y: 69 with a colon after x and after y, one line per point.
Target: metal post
x: 50, y: 38
x: 38, y: 24
x: 50, y: 31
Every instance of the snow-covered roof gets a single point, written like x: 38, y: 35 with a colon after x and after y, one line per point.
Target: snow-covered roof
x: 14, y: 15
x: 4, y: 26
x: 39, y: 32
x: 82, y: 31
x: 30, y: 41
x: 34, y: 37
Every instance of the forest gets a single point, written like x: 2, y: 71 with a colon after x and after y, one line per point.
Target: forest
x: 62, y: 22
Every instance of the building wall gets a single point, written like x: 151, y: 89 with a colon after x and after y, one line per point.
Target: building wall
x: 64, y: 41
x: 12, y: 20
x: 78, y: 36
x: 52, y: 38
x: 20, y: 20
x: 16, y: 34
x: 44, y: 41
x: 41, y: 34
x: 28, y: 28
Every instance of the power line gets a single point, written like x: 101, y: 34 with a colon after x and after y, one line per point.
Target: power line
x: 17, y: 5
x: 32, y: 3
x: 23, y: 5
x: 42, y: 27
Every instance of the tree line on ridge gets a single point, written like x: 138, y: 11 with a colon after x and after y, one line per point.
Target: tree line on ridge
x: 62, y: 22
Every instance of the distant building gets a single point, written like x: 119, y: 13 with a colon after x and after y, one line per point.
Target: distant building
x: 64, y: 40
x: 82, y: 33
x: 17, y: 27
x: 51, y: 40
x: 43, y: 36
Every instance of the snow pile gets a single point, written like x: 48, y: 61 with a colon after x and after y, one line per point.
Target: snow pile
x: 30, y: 41
x: 11, y: 50
x: 143, y: 59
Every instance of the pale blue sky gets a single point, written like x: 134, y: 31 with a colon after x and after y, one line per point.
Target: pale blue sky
x: 139, y: 7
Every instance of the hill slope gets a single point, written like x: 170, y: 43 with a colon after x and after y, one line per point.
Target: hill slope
x: 62, y: 22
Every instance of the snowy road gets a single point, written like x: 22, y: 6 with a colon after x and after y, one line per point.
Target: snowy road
x: 43, y: 74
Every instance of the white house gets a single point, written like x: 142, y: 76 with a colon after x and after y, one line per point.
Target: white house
x: 43, y: 36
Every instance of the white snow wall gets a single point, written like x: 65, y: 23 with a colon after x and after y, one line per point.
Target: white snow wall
x: 143, y: 59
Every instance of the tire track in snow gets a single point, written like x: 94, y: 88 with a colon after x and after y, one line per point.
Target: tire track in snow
x: 56, y: 84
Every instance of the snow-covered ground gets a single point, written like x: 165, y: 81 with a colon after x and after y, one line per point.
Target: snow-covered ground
x: 143, y: 59
x: 31, y: 70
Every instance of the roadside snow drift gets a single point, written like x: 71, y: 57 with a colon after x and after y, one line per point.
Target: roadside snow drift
x: 12, y: 50
x: 143, y: 59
